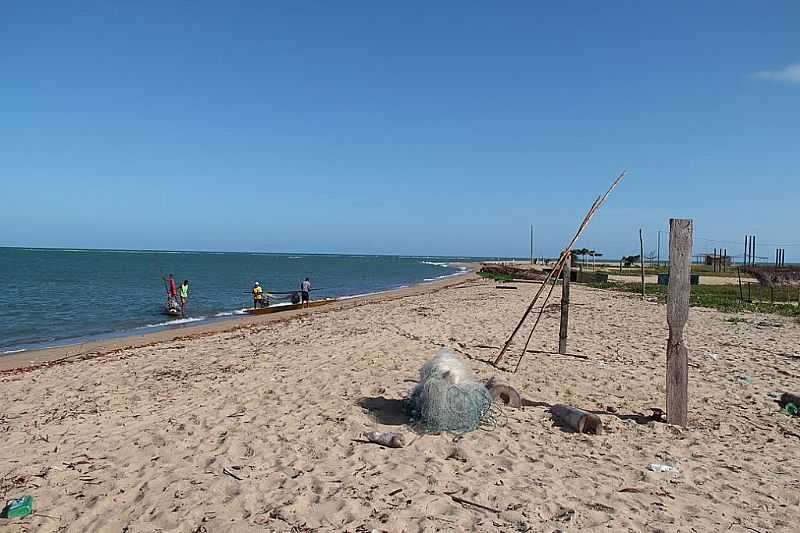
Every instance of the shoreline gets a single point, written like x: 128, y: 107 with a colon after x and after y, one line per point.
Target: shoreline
x: 32, y: 359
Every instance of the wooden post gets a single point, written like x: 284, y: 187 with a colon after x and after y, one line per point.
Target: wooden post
x: 741, y: 292
x: 658, y: 252
x: 680, y: 256
x: 531, y: 244
x: 562, y: 331
x: 744, y: 257
x: 641, y: 258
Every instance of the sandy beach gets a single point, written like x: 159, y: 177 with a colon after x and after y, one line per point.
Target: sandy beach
x: 254, y: 425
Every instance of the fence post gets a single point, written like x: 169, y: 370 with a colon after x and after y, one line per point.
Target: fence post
x: 680, y: 255
x: 641, y: 258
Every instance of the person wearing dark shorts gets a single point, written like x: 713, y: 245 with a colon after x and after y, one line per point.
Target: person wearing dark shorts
x: 305, y: 291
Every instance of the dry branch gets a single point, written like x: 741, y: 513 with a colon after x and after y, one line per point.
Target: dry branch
x: 560, y: 264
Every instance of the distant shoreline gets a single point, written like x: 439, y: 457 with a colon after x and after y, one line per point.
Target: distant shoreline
x: 35, y: 358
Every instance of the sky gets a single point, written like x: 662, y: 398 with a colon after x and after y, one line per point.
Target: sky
x: 426, y: 128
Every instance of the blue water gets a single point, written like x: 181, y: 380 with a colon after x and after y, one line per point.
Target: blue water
x: 56, y: 297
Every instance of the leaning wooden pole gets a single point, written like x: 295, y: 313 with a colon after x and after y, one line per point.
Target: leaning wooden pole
x: 564, y: 326
x: 680, y: 256
x: 560, y: 264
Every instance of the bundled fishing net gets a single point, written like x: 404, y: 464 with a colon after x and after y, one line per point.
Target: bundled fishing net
x: 448, y: 398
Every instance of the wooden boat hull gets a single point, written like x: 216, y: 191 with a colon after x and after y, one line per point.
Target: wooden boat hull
x: 281, y: 308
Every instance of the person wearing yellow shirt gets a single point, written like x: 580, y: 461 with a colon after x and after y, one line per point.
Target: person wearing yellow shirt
x: 258, y: 296
x: 183, y: 292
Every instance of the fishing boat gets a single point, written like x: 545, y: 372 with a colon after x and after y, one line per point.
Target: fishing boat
x: 286, y: 307
x: 172, y: 308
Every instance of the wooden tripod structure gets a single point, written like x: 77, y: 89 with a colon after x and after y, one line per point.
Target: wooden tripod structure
x: 553, y: 276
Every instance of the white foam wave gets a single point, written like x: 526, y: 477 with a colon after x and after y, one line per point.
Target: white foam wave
x: 7, y: 352
x: 443, y: 265
x: 174, y: 322
x: 437, y: 278
x: 232, y: 313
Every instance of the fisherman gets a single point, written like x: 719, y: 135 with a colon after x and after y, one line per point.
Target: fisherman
x: 258, y: 296
x: 184, y: 293
x: 172, y: 292
x: 305, y: 290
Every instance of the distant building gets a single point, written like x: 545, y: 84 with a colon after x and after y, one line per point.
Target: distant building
x: 718, y: 260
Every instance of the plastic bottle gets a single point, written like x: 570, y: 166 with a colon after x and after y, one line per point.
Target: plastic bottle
x: 19, y: 508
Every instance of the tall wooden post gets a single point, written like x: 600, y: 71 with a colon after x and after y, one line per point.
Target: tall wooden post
x: 562, y: 331
x: 680, y: 256
x: 746, y: 242
x: 531, y: 244
x: 641, y: 258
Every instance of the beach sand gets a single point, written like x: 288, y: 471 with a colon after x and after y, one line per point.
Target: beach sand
x: 254, y: 426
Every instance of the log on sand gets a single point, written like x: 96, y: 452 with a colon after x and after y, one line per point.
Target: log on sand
x: 578, y: 419
x: 501, y: 391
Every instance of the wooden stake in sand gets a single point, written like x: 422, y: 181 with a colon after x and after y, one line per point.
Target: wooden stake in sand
x: 641, y: 258
x: 557, y: 269
x: 562, y: 330
x: 680, y: 257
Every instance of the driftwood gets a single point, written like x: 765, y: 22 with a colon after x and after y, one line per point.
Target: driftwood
x: 514, y: 272
x: 389, y: 439
x: 500, y: 390
x: 578, y: 419
x: 474, y: 504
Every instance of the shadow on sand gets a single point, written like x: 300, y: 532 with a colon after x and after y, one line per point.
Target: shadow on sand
x: 385, y: 410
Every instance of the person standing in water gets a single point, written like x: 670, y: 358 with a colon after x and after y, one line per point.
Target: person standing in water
x: 258, y: 296
x: 184, y: 294
x: 305, y: 291
x: 172, y: 291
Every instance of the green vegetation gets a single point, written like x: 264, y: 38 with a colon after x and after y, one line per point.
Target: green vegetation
x: 496, y: 277
x: 724, y: 298
x: 703, y: 270
x: 630, y: 260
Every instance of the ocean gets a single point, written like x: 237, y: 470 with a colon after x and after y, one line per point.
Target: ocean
x: 56, y: 297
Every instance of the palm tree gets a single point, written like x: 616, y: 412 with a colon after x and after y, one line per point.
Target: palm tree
x: 595, y: 255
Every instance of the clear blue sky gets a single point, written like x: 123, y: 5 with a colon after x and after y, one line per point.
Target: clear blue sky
x: 407, y: 127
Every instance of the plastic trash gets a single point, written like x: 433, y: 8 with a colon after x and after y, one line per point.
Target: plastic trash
x: 743, y: 380
x: 18, y: 508
x: 791, y: 409
x: 658, y: 467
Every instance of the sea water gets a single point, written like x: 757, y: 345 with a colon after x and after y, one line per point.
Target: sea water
x: 52, y: 297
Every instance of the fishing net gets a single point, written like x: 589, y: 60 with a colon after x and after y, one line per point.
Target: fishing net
x: 448, y: 398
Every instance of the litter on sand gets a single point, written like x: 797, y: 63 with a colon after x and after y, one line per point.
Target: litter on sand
x: 389, y: 439
x: 658, y: 467
x: 18, y: 508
